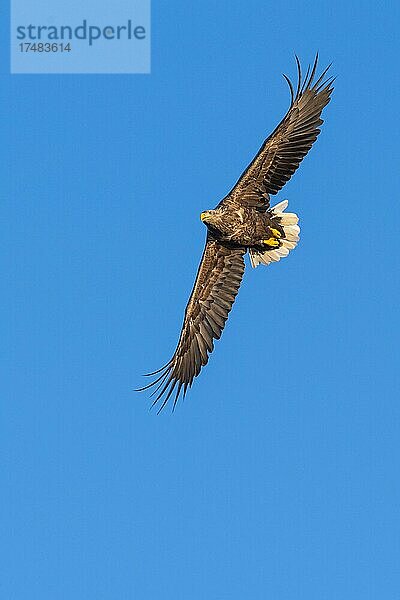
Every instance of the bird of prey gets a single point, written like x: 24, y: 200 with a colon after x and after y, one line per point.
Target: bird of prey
x: 245, y: 222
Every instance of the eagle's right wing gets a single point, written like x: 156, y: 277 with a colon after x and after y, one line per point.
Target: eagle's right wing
x: 218, y: 280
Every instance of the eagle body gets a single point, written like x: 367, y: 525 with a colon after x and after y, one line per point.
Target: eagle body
x: 245, y: 222
x: 242, y: 225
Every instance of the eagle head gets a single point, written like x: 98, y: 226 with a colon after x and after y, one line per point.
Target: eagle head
x: 208, y: 217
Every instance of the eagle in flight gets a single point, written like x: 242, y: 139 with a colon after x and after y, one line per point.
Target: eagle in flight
x: 244, y: 222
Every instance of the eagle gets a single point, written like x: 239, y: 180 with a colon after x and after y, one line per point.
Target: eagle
x: 244, y: 222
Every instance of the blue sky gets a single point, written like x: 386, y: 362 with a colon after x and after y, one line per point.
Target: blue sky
x: 278, y: 475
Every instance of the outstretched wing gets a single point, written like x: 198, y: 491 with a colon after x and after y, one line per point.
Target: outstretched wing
x: 217, y: 283
x: 285, y: 148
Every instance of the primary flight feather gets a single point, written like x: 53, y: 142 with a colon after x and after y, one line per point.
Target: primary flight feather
x: 244, y: 222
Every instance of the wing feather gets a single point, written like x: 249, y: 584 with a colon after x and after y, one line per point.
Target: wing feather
x: 218, y: 280
x: 282, y: 152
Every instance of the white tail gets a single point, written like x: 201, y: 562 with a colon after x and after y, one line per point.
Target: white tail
x: 288, y: 221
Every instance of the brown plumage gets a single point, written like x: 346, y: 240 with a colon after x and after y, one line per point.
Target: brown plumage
x: 244, y: 221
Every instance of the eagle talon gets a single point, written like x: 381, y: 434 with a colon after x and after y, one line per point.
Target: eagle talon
x: 272, y: 242
x: 275, y: 232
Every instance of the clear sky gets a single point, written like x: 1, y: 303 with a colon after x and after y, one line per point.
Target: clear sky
x: 278, y: 476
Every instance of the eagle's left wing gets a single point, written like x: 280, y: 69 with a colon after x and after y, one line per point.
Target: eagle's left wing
x: 218, y: 280
x: 282, y: 152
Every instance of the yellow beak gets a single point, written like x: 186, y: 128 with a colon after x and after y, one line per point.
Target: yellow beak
x: 203, y: 216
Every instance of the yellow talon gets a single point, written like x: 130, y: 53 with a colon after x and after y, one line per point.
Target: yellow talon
x: 271, y: 242
x: 276, y: 233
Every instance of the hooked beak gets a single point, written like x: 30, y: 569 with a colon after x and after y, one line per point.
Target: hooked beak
x: 203, y: 216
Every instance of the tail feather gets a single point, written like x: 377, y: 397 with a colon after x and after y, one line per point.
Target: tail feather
x: 289, y: 224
